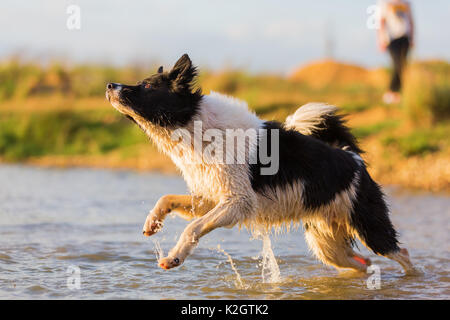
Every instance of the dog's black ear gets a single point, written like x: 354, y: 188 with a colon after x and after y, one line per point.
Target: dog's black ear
x: 183, y: 73
x: 160, y: 69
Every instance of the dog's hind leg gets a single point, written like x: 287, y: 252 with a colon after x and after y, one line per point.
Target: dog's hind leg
x: 332, y: 245
x: 186, y: 205
x: 225, y: 214
x: 372, y: 225
x: 402, y: 257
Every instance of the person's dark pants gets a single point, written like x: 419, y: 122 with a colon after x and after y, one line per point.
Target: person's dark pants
x: 398, y: 49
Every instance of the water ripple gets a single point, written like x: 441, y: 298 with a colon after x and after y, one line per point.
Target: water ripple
x: 53, y: 232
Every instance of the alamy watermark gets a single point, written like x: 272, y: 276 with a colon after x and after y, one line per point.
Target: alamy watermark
x: 74, y: 277
x: 373, y: 19
x: 229, y: 146
x: 374, y: 280
x: 73, y: 21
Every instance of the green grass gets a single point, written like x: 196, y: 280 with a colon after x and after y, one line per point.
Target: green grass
x: 354, y: 107
x: 65, y: 133
x: 427, y: 92
x: 20, y: 79
x: 271, y: 96
x: 366, y: 131
x: 420, y: 142
x: 272, y: 107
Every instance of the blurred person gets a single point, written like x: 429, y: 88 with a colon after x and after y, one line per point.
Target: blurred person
x: 396, y: 34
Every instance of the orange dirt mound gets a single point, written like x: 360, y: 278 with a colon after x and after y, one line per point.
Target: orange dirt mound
x: 326, y: 73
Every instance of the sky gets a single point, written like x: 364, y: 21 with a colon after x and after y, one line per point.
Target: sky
x: 257, y: 35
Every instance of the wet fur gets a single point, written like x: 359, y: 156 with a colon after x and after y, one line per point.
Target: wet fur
x: 322, y: 181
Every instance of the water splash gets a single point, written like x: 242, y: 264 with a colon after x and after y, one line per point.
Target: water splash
x: 158, y: 250
x: 270, y: 269
x: 239, y: 282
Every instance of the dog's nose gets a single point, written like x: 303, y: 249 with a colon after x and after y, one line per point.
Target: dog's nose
x: 112, y: 85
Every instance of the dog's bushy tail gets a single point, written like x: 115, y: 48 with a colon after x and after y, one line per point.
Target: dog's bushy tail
x: 322, y: 122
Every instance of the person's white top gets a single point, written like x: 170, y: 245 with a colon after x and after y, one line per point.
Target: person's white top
x: 397, y: 18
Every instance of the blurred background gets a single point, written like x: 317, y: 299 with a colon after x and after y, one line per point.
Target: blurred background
x: 62, y: 209
x: 276, y: 56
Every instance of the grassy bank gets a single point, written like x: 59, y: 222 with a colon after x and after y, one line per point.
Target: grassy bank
x: 58, y: 116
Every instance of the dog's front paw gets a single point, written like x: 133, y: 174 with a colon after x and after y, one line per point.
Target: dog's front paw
x: 169, y: 263
x: 151, y: 225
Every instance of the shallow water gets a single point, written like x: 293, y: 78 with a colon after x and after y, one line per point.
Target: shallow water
x: 54, y: 223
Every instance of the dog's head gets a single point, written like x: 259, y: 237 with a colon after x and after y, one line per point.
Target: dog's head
x: 165, y: 99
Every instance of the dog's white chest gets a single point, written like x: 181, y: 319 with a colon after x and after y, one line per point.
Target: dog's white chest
x: 204, y: 180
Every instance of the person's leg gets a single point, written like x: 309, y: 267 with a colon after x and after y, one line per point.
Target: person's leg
x: 403, y: 55
x: 395, y: 50
x: 398, y: 50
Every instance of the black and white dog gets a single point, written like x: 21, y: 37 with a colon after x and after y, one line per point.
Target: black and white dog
x: 314, y: 174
